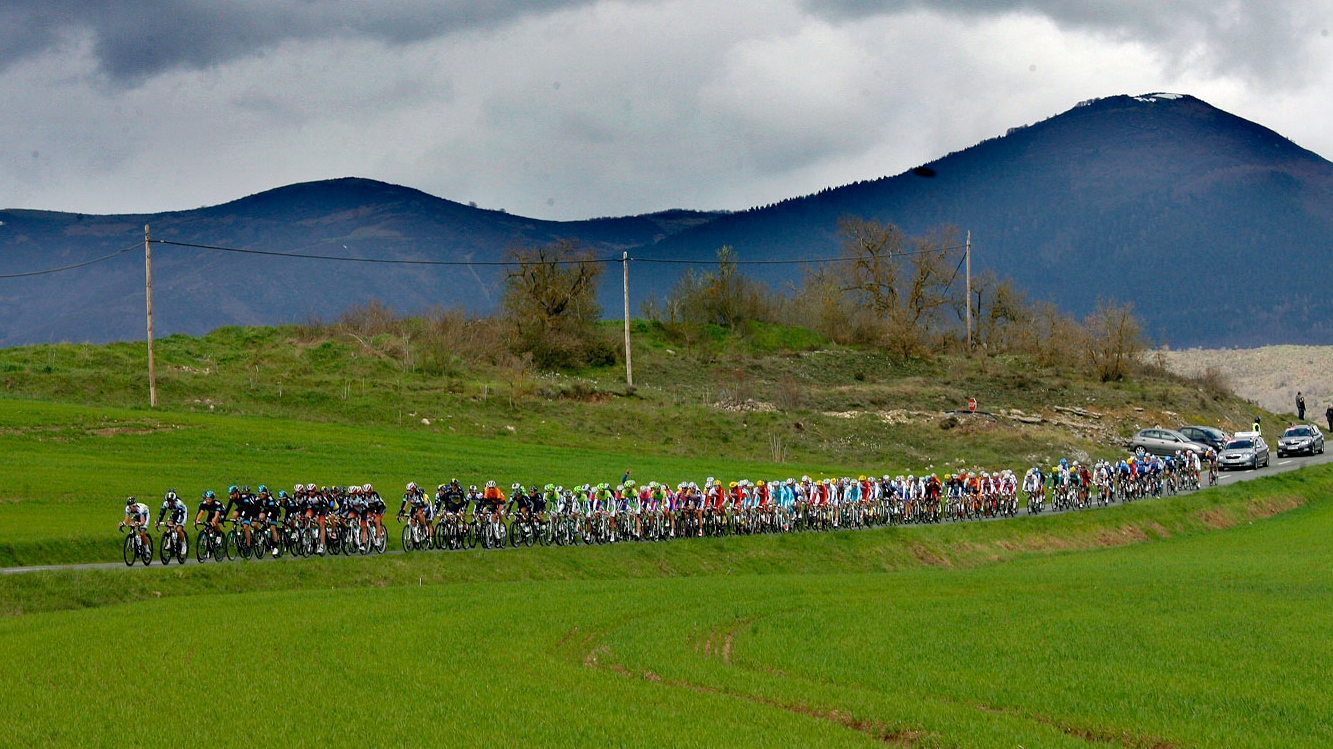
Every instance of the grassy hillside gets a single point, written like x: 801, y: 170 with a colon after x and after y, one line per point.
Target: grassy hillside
x: 1193, y: 637
x: 339, y: 405
x: 773, y: 395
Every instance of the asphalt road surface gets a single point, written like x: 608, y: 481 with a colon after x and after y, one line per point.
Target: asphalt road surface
x: 1277, y: 465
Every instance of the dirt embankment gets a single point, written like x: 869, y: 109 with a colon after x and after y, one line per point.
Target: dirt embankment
x: 1269, y: 376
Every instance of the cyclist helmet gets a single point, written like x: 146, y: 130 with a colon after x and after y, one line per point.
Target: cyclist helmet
x: 129, y: 501
x: 441, y: 487
x: 490, y: 484
x: 411, y: 486
x: 472, y: 488
x: 171, y: 494
x: 516, y: 487
x: 733, y: 485
x: 208, y: 494
x: 282, y: 494
x: 310, y: 487
x: 533, y: 489
x: 761, y: 482
x: 263, y: 489
x: 232, y: 489
x: 367, y: 488
x: 550, y: 487
x: 298, y: 488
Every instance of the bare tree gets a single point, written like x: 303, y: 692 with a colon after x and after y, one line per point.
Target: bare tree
x: 875, y: 253
x: 550, y: 301
x: 726, y: 297
x: 902, y: 284
x: 1114, y: 340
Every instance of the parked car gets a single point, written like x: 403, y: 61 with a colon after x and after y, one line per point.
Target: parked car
x: 1301, y: 438
x: 1165, y: 442
x: 1210, y: 436
x: 1245, y: 450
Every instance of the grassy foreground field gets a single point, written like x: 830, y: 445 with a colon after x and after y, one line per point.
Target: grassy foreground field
x: 1194, y: 621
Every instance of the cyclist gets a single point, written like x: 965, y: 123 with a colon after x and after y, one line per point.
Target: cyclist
x: 548, y: 500
x: 241, y: 508
x: 416, y: 506
x: 210, y: 511
x: 269, y: 511
x: 176, y: 519
x: 1034, y: 484
x: 453, y: 500
x: 136, y: 516
x: 317, y: 508
x: 375, y: 509
x: 494, y: 500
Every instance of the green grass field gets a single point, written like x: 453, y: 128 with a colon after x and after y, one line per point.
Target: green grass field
x: 1194, y: 621
x: 71, y: 467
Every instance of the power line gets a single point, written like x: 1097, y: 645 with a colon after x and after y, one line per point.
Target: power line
x: 493, y: 263
x: 842, y: 259
x: 956, y: 268
x: 69, y: 267
x: 380, y: 261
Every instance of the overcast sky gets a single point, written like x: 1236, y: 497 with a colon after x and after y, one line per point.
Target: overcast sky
x: 570, y: 109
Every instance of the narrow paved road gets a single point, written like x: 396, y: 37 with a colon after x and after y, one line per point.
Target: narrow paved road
x: 1278, y: 465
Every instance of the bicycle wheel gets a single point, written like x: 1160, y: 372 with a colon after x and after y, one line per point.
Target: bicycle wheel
x: 165, y: 551
x: 231, y: 544
x: 146, y: 551
x: 131, y: 552
x: 201, y: 552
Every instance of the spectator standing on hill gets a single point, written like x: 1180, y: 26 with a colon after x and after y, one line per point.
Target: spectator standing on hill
x: 1329, y: 415
x: 1300, y: 406
x: 1256, y: 426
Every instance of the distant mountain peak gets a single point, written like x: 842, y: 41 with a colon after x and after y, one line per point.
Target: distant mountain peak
x: 1212, y: 225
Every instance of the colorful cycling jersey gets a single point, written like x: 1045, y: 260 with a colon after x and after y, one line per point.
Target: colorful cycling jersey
x: 176, y: 508
x: 138, y: 512
x: 211, y: 508
x: 453, y: 499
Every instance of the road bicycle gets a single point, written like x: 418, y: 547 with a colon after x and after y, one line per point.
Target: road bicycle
x: 174, y: 545
x: 209, y: 543
x: 138, y: 547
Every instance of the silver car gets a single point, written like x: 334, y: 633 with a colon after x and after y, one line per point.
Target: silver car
x: 1165, y: 442
x: 1302, y: 438
x: 1245, y: 450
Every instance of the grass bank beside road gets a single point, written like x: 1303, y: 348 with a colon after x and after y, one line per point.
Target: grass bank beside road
x: 878, y: 550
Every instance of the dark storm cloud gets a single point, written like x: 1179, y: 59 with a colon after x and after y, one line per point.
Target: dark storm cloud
x: 1262, y: 38
x: 133, y: 39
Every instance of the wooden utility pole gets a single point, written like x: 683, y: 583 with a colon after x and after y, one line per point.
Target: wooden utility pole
x: 148, y: 294
x: 629, y: 368
x: 968, y: 261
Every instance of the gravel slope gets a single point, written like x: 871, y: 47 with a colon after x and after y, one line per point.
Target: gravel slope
x: 1269, y: 376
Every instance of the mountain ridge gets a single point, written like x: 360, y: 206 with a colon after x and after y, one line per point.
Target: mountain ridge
x: 1209, y: 223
